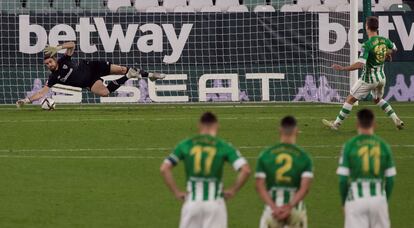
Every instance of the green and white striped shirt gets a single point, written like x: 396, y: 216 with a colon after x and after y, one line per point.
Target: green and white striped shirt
x: 366, y: 160
x: 283, y: 166
x: 204, y: 157
x: 373, y: 55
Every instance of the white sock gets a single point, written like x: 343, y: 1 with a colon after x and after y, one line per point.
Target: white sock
x: 388, y: 110
x: 343, y: 114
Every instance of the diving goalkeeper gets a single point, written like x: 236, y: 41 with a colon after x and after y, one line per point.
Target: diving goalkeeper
x: 85, y: 74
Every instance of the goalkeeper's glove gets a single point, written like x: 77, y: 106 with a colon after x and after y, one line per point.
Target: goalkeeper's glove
x: 51, y: 51
x: 22, y: 102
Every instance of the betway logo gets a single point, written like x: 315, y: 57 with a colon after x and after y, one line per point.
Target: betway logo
x: 151, y: 42
x: 385, y: 27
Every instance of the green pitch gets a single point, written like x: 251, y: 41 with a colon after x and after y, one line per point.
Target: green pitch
x: 98, y: 166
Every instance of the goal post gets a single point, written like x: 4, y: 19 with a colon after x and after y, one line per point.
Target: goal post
x: 353, y: 40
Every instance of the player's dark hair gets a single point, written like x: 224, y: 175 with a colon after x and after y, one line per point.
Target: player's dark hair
x: 208, y: 118
x: 48, y: 57
x: 372, y: 23
x: 366, y: 118
x: 288, y: 123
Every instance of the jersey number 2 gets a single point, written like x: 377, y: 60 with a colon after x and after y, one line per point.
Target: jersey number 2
x: 280, y: 172
x: 366, y: 154
x: 197, y: 152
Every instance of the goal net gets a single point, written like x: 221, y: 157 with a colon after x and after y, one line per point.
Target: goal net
x: 208, y: 57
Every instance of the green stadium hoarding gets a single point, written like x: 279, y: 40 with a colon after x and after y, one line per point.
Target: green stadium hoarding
x: 243, y: 49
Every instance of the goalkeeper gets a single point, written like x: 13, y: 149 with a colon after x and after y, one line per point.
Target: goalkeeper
x: 86, y: 74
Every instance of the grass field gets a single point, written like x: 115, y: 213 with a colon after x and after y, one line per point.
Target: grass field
x: 98, y: 166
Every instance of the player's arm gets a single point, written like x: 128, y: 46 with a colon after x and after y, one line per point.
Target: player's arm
x: 263, y: 194
x: 166, y: 173
x: 70, y: 48
x: 244, y: 173
x: 241, y: 166
x: 389, y: 173
x: 343, y: 188
x: 52, y: 51
x: 261, y: 186
x: 358, y: 65
x: 343, y: 172
x: 355, y: 66
x: 41, y: 93
x: 389, y: 186
x: 392, y: 48
x: 305, y: 184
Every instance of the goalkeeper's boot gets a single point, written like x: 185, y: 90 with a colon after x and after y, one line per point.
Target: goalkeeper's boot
x: 331, y: 124
x: 133, y: 73
x: 399, y: 124
x: 155, y: 76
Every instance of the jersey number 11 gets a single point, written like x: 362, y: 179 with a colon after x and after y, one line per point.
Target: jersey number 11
x: 367, y: 155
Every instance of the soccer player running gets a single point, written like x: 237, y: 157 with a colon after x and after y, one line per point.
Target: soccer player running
x: 204, y: 156
x: 86, y: 74
x: 373, y: 55
x: 366, y: 176
x: 283, y: 178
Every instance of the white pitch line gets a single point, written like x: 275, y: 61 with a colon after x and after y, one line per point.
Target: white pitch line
x: 169, y: 119
x: 199, y: 106
x: 139, y: 157
x: 159, y: 149
x: 85, y: 149
x: 79, y: 157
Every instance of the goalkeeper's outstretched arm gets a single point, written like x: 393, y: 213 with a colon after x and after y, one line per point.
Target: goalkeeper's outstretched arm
x: 41, y: 93
x: 52, y: 51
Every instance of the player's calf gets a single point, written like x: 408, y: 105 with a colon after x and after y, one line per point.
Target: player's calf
x: 132, y: 73
x: 139, y: 73
x: 343, y: 113
x: 386, y: 107
x: 100, y: 89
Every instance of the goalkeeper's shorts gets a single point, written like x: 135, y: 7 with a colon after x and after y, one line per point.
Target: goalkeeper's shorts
x: 97, y: 69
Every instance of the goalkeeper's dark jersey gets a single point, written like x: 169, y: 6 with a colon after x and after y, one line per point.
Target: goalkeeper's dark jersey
x: 70, y: 73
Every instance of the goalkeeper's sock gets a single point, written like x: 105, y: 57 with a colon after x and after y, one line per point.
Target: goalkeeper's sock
x: 114, y: 85
x: 344, y: 113
x: 388, y: 110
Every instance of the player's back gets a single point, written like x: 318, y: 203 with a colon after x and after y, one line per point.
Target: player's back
x: 283, y: 166
x: 369, y: 160
x: 373, y: 55
x: 378, y: 47
x: 204, y: 157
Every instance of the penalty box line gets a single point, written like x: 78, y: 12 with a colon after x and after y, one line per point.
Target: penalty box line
x: 171, y: 118
x: 225, y: 105
x: 142, y: 157
x: 162, y: 149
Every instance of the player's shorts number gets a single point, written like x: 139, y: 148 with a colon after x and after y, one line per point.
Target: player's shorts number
x: 198, y: 152
x: 368, y: 155
x: 380, y: 53
x: 286, y: 161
